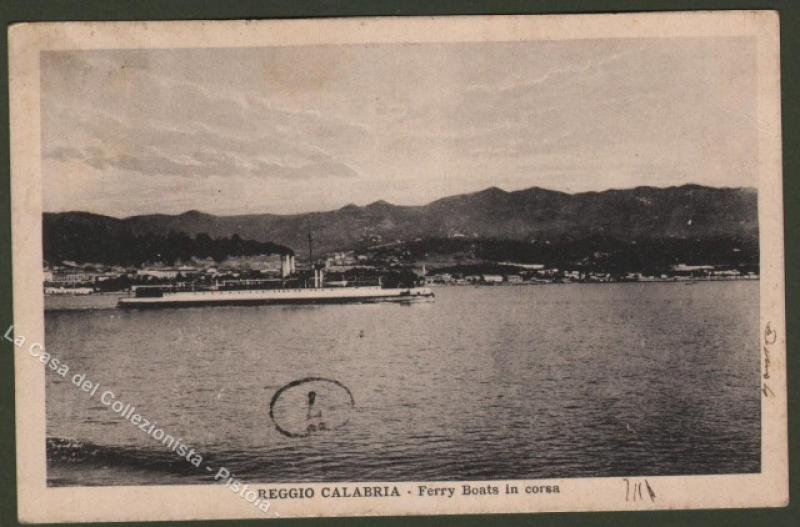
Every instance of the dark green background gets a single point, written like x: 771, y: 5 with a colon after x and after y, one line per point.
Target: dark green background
x: 54, y: 10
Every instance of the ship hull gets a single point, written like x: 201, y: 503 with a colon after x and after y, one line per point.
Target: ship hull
x: 279, y: 297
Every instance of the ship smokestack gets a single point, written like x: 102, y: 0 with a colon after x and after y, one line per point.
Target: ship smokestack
x: 285, y: 266
x: 319, y: 277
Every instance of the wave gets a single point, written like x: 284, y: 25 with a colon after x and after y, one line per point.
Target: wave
x: 65, y: 452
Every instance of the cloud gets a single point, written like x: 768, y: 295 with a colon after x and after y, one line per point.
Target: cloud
x: 407, y: 123
x: 211, y: 142
x: 203, y: 164
x: 309, y: 171
x: 129, y: 115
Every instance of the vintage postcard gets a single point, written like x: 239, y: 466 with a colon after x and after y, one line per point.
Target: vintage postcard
x: 397, y: 266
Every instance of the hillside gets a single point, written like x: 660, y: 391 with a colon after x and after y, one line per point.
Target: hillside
x: 688, y: 212
x: 83, y: 237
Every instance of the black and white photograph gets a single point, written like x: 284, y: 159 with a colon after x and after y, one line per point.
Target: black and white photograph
x: 460, y: 272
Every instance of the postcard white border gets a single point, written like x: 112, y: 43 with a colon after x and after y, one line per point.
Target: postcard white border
x: 39, y: 503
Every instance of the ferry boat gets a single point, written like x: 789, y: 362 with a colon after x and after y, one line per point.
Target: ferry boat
x: 243, y: 294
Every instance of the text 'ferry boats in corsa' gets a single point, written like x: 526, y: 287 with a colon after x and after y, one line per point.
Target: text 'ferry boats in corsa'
x: 260, y: 292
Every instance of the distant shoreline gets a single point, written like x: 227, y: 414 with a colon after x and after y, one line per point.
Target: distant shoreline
x: 108, y: 300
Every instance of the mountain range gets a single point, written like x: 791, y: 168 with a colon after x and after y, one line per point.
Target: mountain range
x: 690, y: 212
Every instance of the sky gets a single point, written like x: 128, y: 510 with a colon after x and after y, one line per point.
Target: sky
x: 306, y: 128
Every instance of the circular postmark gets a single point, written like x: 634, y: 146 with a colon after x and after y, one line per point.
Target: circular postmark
x: 310, y: 405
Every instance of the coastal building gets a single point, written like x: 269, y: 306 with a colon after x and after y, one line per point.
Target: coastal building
x: 548, y: 273
x: 162, y: 272
x: 527, y: 266
x: 420, y: 271
x: 692, y: 270
x: 342, y: 259
x: 168, y: 273
x: 73, y: 277
x: 441, y: 278
x: 730, y: 273
x: 492, y: 278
